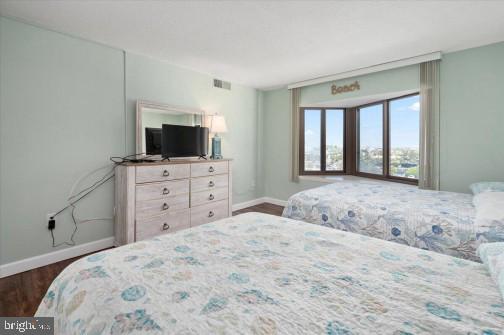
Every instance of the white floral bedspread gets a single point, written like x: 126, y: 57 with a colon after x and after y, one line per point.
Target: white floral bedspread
x: 259, y: 274
x: 432, y: 220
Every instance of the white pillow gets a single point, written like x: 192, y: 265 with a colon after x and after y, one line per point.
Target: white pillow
x: 489, y: 207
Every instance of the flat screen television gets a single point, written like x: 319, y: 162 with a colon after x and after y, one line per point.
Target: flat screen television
x: 184, y: 141
x: 153, y: 141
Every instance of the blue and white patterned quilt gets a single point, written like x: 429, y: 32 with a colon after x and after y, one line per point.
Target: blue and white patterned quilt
x: 259, y: 274
x: 432, y: 220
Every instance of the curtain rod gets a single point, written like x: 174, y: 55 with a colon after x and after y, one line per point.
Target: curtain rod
x: 370, y: 69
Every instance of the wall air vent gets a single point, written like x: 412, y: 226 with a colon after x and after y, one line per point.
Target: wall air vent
x: 222, y: 84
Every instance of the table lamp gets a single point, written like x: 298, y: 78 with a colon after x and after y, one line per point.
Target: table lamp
x: 217, y: 126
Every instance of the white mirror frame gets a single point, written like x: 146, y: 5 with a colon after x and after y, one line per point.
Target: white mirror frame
x: 142, y: 104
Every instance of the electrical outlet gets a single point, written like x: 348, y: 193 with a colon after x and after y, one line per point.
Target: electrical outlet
x: 49, y: 216
x: 51, y: 221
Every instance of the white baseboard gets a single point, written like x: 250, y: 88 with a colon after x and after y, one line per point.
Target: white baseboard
x: 258, y: 201
x: 246, y: 204
x: 10, y: 269
x: 274, y: 201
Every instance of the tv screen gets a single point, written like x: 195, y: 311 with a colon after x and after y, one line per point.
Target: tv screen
x: 184, y: 141
x: 153, y: 141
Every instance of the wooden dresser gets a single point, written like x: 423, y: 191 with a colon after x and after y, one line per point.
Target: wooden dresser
x: 164, y: 197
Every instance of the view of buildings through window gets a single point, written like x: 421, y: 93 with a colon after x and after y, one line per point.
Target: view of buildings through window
x: 403, y: 135
x: 371, y: 139
x: 334, y: 139
x: 335, y: 123
x: 404, y: 120
x: 312, y: 121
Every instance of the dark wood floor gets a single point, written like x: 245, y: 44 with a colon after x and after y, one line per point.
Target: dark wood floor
x: 21, y: 294
x: 262, y: 208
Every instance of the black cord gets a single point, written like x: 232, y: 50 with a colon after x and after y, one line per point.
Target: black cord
x: 87, y: 188
x: 72, y: 204
x: 72, y: 242
x: 127, y: 159
x: 83, y: 196
x: 97, y: 183
x: 74, y: 199
x: 119, y: 160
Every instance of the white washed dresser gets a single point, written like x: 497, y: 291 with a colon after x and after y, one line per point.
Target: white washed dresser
x: 163, y: 197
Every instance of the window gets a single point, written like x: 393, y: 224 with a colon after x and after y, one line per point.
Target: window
x: 370, y: 159
x: 334, y: 136
x: 322, y: 137
x: 404, y: 118
x: 378, y: 140
x: 312, y: 135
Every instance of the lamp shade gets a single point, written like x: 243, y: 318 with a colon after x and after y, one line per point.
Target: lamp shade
x: 218, y: 124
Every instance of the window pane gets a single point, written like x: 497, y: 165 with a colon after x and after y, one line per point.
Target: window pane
x: 334, y: 139
x: 371, y: 139
x: 404, y: 137
x: 312, y: 139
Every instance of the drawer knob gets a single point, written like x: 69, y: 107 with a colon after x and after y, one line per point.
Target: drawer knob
x: 166, y: 226
x: 166, y: 173
x: 210, y: 214
x: 165, y: 206
x: 211, y: 184
x: 211, y: 169
x: 211, y: 197
x: 166, y: 191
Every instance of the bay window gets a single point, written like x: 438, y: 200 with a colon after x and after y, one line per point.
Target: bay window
x: 377, y: 140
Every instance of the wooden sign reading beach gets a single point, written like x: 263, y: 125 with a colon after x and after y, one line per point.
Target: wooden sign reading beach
x: 345, y: 88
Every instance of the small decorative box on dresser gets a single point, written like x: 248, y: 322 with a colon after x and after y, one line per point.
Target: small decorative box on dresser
x: 163, y: 197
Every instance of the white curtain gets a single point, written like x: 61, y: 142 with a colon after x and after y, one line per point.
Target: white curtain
x: 294, y: 92
x: 429, y: 125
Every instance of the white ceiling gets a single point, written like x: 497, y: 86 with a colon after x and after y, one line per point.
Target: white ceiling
x: 271, y: 43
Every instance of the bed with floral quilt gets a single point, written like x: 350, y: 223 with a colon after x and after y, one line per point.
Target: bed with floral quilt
x: 443, y: 222
x: 260, y: 274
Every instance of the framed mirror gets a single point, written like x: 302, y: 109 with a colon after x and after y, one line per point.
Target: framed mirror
x: 150, y: 117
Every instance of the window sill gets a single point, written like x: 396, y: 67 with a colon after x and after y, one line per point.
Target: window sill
x: 339, y: 178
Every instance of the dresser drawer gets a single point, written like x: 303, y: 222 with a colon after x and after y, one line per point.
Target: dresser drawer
x: 148, y: 208
x: 162, y: 189
x: 208, y: 213
x: 204, y: 197
x: 166, y: 223
x: 147, y: 174
x: 208, y: 169
x: 209, y: 183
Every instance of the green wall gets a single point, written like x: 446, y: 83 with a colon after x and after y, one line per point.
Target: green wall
x: 61, y: 116
x: 276, y: 122
x: 395, y: 80
x: 66, y: 106
x: 472, y: 117
x: 154, y: 80
x: 276, y: 147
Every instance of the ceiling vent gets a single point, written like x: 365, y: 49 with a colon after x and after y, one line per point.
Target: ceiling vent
x: 222, y: 84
